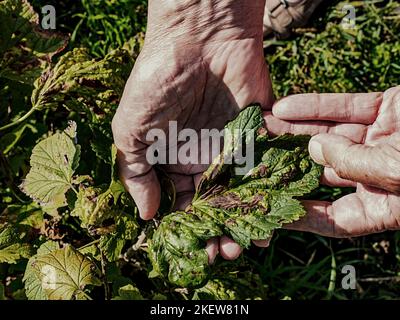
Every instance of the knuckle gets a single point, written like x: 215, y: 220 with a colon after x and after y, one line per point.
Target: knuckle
x: 343, y: 163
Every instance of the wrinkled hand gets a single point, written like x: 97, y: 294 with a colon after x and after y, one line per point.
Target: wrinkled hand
x: 357, y: 139
x: 202, y: 61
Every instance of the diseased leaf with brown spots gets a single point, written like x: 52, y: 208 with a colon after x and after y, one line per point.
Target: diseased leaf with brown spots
x: 53, y: 163
x: 25, y: 49
x: 245, y: 208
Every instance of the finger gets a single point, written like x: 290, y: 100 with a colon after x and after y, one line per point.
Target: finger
x: 144, y: 189
x: 229, y: 249
x: 325, y: 219
x: 276, y: 126
x: 331, y: 178
x: 376, y: 166
x: 340, y: 107
x: 212, y: 249
x: 141, y: 181
x: 135, y: 172
x: 355, y: 132
x: 353, y: 215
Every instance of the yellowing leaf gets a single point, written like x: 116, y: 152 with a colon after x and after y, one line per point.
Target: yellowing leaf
x: 84, y: 84
x: 88, y: 86
x: 92, y: 206
x: 62, y: 274
x: 33, y: 280
x: 53, y: 163
x: 25, y: 50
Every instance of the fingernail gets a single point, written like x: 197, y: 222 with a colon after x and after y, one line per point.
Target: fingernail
x: 315, y: 149
x: 279, y: 109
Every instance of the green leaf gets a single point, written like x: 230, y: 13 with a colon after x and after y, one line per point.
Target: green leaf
x: 53, y: 163
x: 248, y: 123
x: 245, y: 208
x: 96, y: 204
x: 112, y: 244
x: 25, y: 50
x: 114, y: 276
x: 29, y: 215
x: 129, y: 292
x: 92, y: 251
x: 177, y: 250
x: 250, y: 119
x: 47, y: 247
x: 232, y: 281
x: 214, y: 290
x: 8, y: 235
x: 61, y: 274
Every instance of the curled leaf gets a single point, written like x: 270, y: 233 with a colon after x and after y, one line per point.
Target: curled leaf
x: 25, y: 49
x: 245, y: 208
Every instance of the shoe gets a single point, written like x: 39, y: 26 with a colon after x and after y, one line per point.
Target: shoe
x: 282, y: 15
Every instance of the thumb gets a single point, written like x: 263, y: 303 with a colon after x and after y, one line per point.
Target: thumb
x: 372, y: 165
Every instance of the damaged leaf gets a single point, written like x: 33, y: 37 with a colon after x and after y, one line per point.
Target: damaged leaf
x: 25, y: 49
x: 93, y: 206
x: 12, y: 247
x: 82, y: 83
x: 245, y: 208
x: 33, y: 279
x: 53, y: 163
x: 59, y: 274
x: 125, y: 229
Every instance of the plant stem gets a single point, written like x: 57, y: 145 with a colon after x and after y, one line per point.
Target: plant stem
x: 86, y: 295
x: 332, y: 278
x: 19, y: 121
x: 73, y: 189
x: 89, y: 244
x: 105, y: 282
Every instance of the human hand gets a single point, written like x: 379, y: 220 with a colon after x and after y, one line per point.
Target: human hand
x: 201, y: 62
x: 357, y: 139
